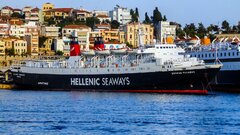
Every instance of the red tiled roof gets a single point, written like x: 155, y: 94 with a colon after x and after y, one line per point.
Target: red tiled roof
x: 102, y: 16
x: 61, y: 9
x: 75, y: 26
x: 17, y: 9
x: 35, y: 9
x: 7, y: 7
x: 82, y: 11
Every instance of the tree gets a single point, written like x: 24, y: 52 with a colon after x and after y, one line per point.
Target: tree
x: 164, y: 18
x: 234, y: 29
x: 134, y: 15
x: 50, y: 21
x: 10, y: 52
x: 92, y: 21
x: 115, y: 24
x: 157, y: 16
x: 190, y: 29
x: 58, y: 52
x: 180, y: 33
x: 201, y: 31
x: 42, y: 40
x: 136, y: 12
x: 147, y: 19
x: 226, y: 27
x: 17, y: 15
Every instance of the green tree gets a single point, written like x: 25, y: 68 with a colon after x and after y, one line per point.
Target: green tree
x: 50, y: 21
x: 147, y: 19
x: 136, y: 12
x: 10, y: 52
x: 17, y: 15
x: 164, y: 18
x: 60, y: 53
x: 157, y: 16
x: 92, y: 21
x: 201, y: 31
x: 190, y: 29
x: 42, y: 40
x: 226, y: 26
x: 115, y: 24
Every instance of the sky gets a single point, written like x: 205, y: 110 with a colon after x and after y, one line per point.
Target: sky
x: 181, y: 11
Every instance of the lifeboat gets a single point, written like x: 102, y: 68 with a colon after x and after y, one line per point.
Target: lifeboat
x: 88, y: 52
x: 119, y: 51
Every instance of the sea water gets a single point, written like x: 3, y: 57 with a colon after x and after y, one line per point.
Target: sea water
x: 48, y: 112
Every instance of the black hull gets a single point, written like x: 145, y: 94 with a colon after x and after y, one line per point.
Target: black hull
x: 187, y: 81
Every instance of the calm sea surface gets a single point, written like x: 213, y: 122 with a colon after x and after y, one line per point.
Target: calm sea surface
x: 45, y: 112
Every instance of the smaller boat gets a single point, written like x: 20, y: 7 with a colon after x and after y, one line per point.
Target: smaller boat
x: 88, y: 52
x: 119, y: 51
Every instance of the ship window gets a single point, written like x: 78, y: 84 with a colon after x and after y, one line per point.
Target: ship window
x: 225, y: 54
x: 157, y: 47
x: 205, y: 55
x: 160, y: 47
x: 209, y: 54
x: 202, y: 55
x: 229, y: 54
x: 233, y: 53
x: 213, y: 55
x: 221, y: 54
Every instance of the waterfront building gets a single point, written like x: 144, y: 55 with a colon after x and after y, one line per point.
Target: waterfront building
x: 17, y: 28
x: 32, y: 37
x: 8, y: 42
x: 20, y: 46
x: 4, y: 29
x: 83, y: 14
x: 132, y: 34
x: 2, y: 47
x: 121, y: 14
x: 165, y: 31
x: 82, y: 33
x: 6, y: 11
x: 45, y: 8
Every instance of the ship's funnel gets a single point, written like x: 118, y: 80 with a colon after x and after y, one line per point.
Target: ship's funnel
x: 74, y: 46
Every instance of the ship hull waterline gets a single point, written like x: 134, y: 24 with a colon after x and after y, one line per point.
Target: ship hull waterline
x: 187, y: 81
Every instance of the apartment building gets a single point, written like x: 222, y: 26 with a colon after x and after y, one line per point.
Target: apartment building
x: 121, y: 14
x: 131, y: 31
x: 2, y: 47
x: 32, y: 38
x: 20, y: 46
x: 6, y: 11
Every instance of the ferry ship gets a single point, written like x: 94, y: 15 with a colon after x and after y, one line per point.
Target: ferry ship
x: 157, y: 68
x: 228, y: 53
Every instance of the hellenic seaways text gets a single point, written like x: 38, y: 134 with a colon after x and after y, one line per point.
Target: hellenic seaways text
x: 111, y: 81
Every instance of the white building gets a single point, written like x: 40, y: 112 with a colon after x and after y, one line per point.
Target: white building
x: 50, y: 31
x: 82, y: 33
x: 61, y: 45
x: 6, y: 11
x: 121, y: 14
x: 164, y: 30
x: 17, y: 29
x: 4, y: 29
